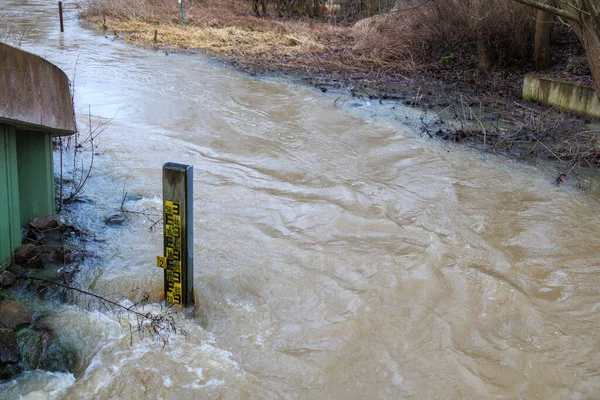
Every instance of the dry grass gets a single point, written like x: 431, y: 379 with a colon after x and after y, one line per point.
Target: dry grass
x: 219, y: 28
x: 227, y: 40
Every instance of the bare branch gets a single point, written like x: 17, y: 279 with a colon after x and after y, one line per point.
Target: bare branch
x: 592, y: 7
x: 579, y: 9
x: 550, y: 9
x: 159, y: 324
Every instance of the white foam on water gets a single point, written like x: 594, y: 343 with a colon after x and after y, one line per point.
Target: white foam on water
x: 37, y: 385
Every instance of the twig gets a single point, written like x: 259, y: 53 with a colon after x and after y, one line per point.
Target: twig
x: 158, y: 322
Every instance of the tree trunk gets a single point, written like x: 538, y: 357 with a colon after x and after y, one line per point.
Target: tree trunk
x: 543, y: 27
x: 590, y: 36
x: 486, y: 56
x: 318, y: 10
x: 584, y: 17
x: 520, y: 38
x: 300, y: 7
x: 263, y: 4
x: 310, y: 9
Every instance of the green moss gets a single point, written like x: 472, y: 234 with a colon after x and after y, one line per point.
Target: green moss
x: 563, y: 82
x: 38, y: 350
x: 31, y: 346
x: 448, y: 59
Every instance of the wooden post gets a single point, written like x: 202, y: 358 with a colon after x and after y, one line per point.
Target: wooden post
x: 178, y: 259
x: 60, y: 14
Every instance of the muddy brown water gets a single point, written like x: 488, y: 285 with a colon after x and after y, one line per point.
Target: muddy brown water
x: 339, y: 254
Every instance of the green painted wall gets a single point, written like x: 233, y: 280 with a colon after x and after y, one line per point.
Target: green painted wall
x: 10, y: 218
x: 26, y: 183
x: 34, y: 96
x: 36, y: 181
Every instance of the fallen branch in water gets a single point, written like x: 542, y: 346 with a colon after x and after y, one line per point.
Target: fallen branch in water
x: 159, y: 325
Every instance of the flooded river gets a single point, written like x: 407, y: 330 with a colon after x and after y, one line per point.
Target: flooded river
x: 338, y: 254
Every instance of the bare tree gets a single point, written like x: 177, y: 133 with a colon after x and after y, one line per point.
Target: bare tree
x: 584, y: 17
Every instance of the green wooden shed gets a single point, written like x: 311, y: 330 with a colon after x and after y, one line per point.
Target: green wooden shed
x: 35, y: 105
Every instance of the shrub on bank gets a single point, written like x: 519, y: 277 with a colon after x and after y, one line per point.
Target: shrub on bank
x: 423, y: 33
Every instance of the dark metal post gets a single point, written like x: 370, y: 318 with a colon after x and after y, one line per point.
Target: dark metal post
x: 60, y: 14
x: 182, y: 15
x: 178, y: 259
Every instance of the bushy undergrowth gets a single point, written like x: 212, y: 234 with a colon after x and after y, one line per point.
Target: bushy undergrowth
x: 428, y: 32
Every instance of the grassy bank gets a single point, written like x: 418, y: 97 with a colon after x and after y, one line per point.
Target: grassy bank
x: 229, y: 30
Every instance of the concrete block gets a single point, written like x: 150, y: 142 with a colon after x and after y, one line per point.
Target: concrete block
x: 34, y: 94
x: 567, y: 96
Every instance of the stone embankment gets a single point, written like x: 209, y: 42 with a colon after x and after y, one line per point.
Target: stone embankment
x: 27, y: 341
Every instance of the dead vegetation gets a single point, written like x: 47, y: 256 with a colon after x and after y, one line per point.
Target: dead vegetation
x: 417, y: 38
x: 139, y: 318
x: 422, y: 53
x: 426, y: 33
x: 521, y: 131
x: 217, y: 28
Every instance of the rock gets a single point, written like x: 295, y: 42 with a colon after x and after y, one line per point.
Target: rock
x: 59, y: 358
x: 7, y: 278
x: 43, y: 323
x: 66, y: 256
x: 72, y: 257
x: 9, y: 348
x: 17, y: 271
x: 131, y: 197
x: 7, y: 371
x: 46, y: 223
x: 25, y: 252
x: 33, y: 235
x: 9, y: 354
x: 13, y: 314
x: 41, y: 348
x: 36, y: 263
x: 33, y: 345
x: 59, y: 255
x: 53, y: 236
x: 116, y: 219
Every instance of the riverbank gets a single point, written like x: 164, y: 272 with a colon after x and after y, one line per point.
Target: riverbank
x: 50, y: 253
x: 468, y: 105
